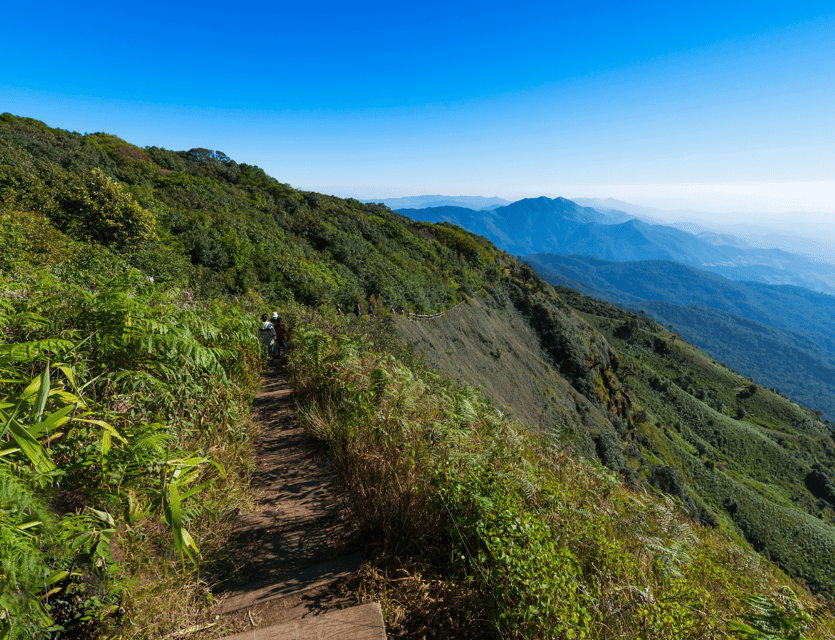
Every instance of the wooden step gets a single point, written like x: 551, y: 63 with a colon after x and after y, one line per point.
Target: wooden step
x: 285, y: 585
x: 364, y: 622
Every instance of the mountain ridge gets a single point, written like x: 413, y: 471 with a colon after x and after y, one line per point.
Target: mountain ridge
x: 558, y: 225
x: 114, y: 254
x: 477, y: 203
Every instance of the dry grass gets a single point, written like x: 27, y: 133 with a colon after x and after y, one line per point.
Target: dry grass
x: 553, y: 545
x: 419, y: 602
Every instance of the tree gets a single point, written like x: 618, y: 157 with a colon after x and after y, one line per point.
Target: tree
x: 527, y: 272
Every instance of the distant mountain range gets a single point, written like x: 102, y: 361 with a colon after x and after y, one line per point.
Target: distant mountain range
x: 722, y: 294
x: 561, y: 226
x: 783, y: 336
x: 791, y: 233
x: 476, y: 203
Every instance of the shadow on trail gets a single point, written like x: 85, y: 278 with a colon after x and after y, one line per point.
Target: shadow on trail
x: 295, y: 539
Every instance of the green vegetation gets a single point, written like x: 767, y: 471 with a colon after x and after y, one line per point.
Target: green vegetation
x: 130, y: 284
x: 199, y: 219
x: 800, y: 366
x: 758, y: 462
x: 124, y: 444
x: 554, y: 546
x: 782, y: 336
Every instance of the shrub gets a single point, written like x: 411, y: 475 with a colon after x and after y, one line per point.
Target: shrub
x: 609, y: 450
x: 95, y: 206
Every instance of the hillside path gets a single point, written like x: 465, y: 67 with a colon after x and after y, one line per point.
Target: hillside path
x: 295, y: 544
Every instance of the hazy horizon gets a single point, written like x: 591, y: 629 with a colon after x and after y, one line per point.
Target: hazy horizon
x: 796, y: 232
x: 767, y: 220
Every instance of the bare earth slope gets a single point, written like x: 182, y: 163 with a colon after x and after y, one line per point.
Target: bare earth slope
x: 489, y: 344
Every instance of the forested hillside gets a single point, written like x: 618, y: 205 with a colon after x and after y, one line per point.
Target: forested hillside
x: 749, y: 454
x: 200, y: 218
x: 783, y: 336
x: 621, y: 503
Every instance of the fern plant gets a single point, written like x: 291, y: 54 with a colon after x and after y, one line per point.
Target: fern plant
x: 118, y: 414
x: 782, y: 618
x: 26, y: 527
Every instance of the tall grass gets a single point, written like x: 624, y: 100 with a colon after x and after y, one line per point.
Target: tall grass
x: 555, y: 545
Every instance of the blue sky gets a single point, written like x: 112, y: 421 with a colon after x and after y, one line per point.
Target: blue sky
x: 713, y: 106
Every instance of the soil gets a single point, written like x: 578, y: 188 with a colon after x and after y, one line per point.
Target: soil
x: 294, y: 545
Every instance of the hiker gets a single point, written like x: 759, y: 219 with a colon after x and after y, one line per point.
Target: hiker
x: 281, y: 336
x: 266, y: 333
x: 371, y: 311
x: 339, y: 310
x: 358, y: 309
x: 392, y: 311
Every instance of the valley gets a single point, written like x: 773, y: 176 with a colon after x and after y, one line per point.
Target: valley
x: 782, y: 336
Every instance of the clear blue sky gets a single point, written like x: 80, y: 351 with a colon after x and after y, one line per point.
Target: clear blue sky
x: 729, y: 106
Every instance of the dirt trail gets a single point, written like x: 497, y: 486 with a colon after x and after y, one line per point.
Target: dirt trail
x: 295, y: 544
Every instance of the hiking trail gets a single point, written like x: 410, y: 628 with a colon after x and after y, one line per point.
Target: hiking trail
x: 295, y: 544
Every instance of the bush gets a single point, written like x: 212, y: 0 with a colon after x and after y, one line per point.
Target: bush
x: 669, y: 480
x: 95, y: 206
x: 609, y: 450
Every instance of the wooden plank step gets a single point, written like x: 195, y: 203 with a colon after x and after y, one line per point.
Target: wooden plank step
x: 286, y: 585
x: 364, y: 622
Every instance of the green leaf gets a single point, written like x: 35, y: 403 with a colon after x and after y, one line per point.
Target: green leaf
x: 103, y: 516
x: 29, y: 525
x: 43, y: 394
x: 193, y: 490
x: 189, y: 541
x: 53, y: 421
x: 56, y: 576
x: 107, y: 428
x: 68, y: 373
x: 105, y: 443
x: 176, y: 517
x: 192, y: 461
x: 30, y: 447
